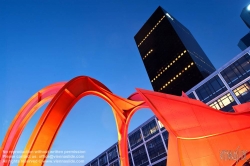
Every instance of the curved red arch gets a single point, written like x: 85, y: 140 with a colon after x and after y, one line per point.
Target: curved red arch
x: 61, y: 104
x: 189, y: 122
x: 23, y: 116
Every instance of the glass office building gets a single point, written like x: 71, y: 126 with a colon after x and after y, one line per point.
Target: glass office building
x: 147, y: 145
x: 244, y: 42
x: 171, y: 55
x: 226, y: 87
x: 245, y: 16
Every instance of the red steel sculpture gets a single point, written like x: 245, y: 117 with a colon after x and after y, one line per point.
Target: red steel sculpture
x: 198, y: 134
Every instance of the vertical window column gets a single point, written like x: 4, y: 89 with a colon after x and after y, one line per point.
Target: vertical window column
x: 161, y: 135
x: 165, y: 138
x: 229, y: 89
x: 107, y: 157
x: 144, y: 143
x: 131, y: 152
x: 196, y: 96
x: 131, y: 159
x: 117, y: 151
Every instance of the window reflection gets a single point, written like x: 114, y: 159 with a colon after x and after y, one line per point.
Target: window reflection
x: 160, y: 124
x: 210, y: 89
x: 237, y: 71
x: 150, y: 129
x: 191, y: 95
x: 140, y: 156
x: 156, y: 149
x: 165, y: 137
x: 242, y: 92
x: 116, y: 163
x: 130, y: 159
x: 224, y: 103
x: 95, y: 163
x: 103, y: 160
x: 135, y: 139
x: 112, y: 154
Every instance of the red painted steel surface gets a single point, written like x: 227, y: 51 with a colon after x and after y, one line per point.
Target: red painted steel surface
x: 198, y: 135
x: 23, y: 116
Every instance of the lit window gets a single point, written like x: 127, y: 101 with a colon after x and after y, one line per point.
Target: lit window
x: 179, y: 73
x: 176, y: 59
x: 177, y: 76
x: 241, y: 90
x: 222, y: 102
x: 166, y: 68
x: 168, y: 82
x: 192, y: 63
x: 179, y: 56
x: 181, y: 53
x: 188, y: 65
x: 170, y: 64
x: 171, y: 80
x: 184, y: 51
x: 173, y: 61
x: 160, y: 124
x: 164, y: 86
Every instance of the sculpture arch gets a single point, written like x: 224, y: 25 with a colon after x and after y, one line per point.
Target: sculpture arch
x: 61, y: 104
x: 189, y: 122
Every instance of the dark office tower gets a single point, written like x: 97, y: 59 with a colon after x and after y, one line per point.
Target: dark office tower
x: 172, y: 57
x: 244, y: 42
x: 245, y: 16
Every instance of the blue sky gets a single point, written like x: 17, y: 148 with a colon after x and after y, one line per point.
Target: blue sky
x: 43, y: 42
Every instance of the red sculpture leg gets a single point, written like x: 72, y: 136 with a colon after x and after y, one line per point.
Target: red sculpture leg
x: 22, y: 118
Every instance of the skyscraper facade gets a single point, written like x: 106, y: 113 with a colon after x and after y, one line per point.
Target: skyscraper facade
x: 171, y: 55
x: 245, y: 16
